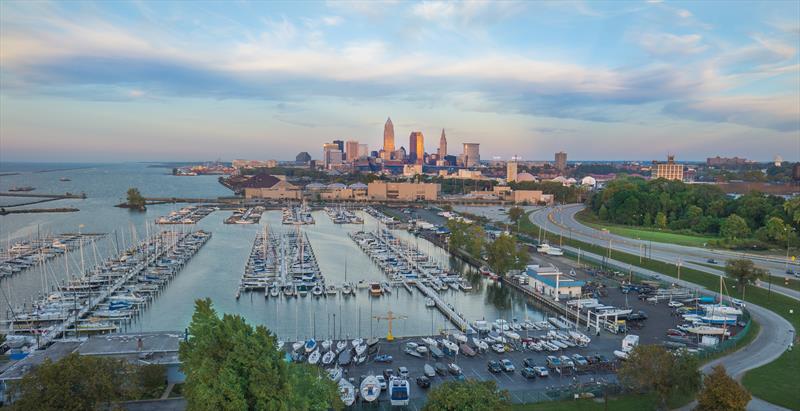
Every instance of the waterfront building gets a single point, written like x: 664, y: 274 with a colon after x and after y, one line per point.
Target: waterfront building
x: 551, y: 282
x: 505, y: 193
x: 303, y: 158
x: 471, y: 155
x: 416, y: 147
x: 388, y: 191
x: 351, y: 150
x: 561, y: 161
x: 669, y: 170
x: 271, y: 188
x: 511, y: 171
x: 442, y: 152
x: 388, y: 139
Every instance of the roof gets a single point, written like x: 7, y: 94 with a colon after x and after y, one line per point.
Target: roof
x: 117, y: 344
x: 525, y: 177
x: 261, y: 181
x: 358, y: 186
x: 55, y: 352
x: 315, y: 186
x: 336, y: 186
x: 550, y: 279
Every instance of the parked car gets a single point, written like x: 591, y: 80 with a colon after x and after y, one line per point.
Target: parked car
x: 738, y: 303
x: 381, y: 382
x: 579, y: 360
x: 388, y: 373
x: 495, y: 367
x: 675, y: 304
x: 440, y: 368
x: 541, y: 371
x: 454, y: 369
x: 423, y: 382
x: 529, y: 362
x: 499, y: 348
x: 553, y: 361
x: 403, y: 372
x: 384, y: 358
x: 528, y: 373
x: 508, y: 366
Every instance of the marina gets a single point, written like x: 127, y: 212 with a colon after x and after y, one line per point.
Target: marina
x: 186, y: 215
x: 110, y: 294
x: 342, y: 215
x: 250, y: 215
x: 25, y: 254
x: 297, y: 214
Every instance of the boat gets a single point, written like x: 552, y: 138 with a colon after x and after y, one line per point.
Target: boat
x: 347, y: 289
x: 297, y: 345
x: 449, y: 347
x: 372, y: 341
x: 21, y: 189
x: 375, y: 290
x: 707, y: 330
x: 311, y: 345
x: 326, y: 345
x: 622, y: 355
x: 341, y: 345
x: 357, y: 342
x: 430, y: 303
x: 361, y: 359
x: 317, y: 290
x: 328, y: 358
x: 330, y: 290
x: 399, y: 391
x: 430, y: 342
x: 459, y: 337
x: 466, y: 350
x: 313, y: 359
x: 273, y: 291
x: 370, y: 388
x: 345, y: 358
x: 481, y: 345
x: 347, y: 392
x: 335, y: 374
x: 64, y: 179
x: 429, y: 371
x: 361, y: 349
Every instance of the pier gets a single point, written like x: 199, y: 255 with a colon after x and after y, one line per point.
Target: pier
x: 30, y: 253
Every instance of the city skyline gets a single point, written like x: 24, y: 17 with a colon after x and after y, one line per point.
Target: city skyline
x: 600, y: 81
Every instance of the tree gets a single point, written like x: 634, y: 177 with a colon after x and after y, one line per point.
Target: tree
x: 792, y: 209
x: 661, y: 220
x: 515, y: 213
x: 469, y: 395
x: 734, y: 227
x: 467, y: 237
x: 502, y: 255
x: 135, y: 199
x: 776, y: 229
x: 651, y: 368
x: 722, y: 393
x: 84, y: 382
x: 229, y: 365
x: 743, y: 271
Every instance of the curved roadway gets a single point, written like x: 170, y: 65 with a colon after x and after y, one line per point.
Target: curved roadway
x: 561, y: 220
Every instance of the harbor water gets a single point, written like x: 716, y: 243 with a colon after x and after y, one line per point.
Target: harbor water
x: 216, y: 270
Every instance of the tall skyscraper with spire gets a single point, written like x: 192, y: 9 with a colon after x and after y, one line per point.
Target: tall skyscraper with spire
x: 442, y: 146
x: 388, y: 138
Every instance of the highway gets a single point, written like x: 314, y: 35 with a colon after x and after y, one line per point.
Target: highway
x: 561, y: 220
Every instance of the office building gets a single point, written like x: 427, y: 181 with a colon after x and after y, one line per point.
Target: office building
x: 363, y: 151
x: 387, y: 191
x: 331, y: 154
x: 340, y: 144
x: 725, y: 161
x: 416, y: 147
x: 669, y: 170
x: 561, y: 161
x: 511, y: 171
x: 442, y: 152
x: 303, y: 158
x: 351, y: 150
x: 388, y: 139
x: 471, y: 156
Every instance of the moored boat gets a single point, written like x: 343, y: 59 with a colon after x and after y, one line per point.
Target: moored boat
x: 370, y: 388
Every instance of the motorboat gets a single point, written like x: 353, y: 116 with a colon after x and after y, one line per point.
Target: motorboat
x: 273, y: 291
x: 466, y: 350
x: 429, y: 371
x: 480, y: 344
x: 372, y: 341
x: 375, y: 289
x: 317, y: 290
x: 313, y: 359
x: 326, y: 345
x: 296, y: 346
x: 311, y: 345
x: 347, y: 392
x: 370, y: 388
x: 335, y: 374
x: 399, y: 391
x: 622, y: 355
x: 460, y: 337
x: 449, y: 347
x: 328, y: 358
x: 347, y: 289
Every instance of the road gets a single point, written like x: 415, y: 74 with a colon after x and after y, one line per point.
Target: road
x: 561, y: 220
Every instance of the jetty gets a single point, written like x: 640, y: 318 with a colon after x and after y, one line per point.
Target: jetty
x: 186, y: 215
x: 24, y: 254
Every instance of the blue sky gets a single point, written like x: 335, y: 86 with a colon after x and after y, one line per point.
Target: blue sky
x: 601, y: 80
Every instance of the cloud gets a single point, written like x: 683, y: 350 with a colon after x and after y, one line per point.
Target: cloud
x: 776, y: 113
x: 665, y: 44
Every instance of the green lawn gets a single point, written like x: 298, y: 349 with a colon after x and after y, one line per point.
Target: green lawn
x: 643, y: 233
x: 773, y: 382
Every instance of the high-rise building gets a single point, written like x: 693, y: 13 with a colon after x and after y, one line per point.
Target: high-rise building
x: 442, y: 146
x: 561, y: 161
x: 303, y: 157
x: 511, y: 171
x: 388, y: 138
x: 416, y: 147
x: 471, y: 156
x: 331, y: 154
x: 340, y: 144
x: 363, y: 150
x: 351, y: 150
x: 669, y: 170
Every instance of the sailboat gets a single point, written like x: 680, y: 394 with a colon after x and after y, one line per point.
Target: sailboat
x: 328, y: 358
x: 313, y: 359
x: 347, y: 392
x: 370, y: 388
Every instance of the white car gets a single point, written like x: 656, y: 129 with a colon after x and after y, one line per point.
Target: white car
x: 499, y: 348
x: 738, y: 303
x: 381, y: 381
x: 675, y: 304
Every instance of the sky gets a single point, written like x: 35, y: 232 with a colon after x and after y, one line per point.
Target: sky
x: 620, y: 80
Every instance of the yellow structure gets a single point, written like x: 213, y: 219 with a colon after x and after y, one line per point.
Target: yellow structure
x: 390, y: 317
x: 383, y: 191
x: 669, y: 170
x: 505, y: 193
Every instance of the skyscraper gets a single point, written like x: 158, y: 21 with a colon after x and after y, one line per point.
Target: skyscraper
x: 416, y: 147
x: 331, y: 154
x: 388, y: 138
x: 561, y: 161
x: 471, y: 156
x: 442, y: 146
x: 340, y: 144
x: 351, y: 150
x: 511, y: 171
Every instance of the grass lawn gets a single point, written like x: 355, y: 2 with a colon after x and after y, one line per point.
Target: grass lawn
x: 643, y: 233
x: 774, y: 382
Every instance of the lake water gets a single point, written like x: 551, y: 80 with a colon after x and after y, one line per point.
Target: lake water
x: 217, y: 268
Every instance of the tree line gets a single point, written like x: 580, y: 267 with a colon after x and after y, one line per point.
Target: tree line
x: 753, y: 219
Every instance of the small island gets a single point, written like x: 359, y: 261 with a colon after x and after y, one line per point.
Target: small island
x: 135, y: 200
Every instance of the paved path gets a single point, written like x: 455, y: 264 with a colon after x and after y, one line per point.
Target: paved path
x: 561, y: 220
